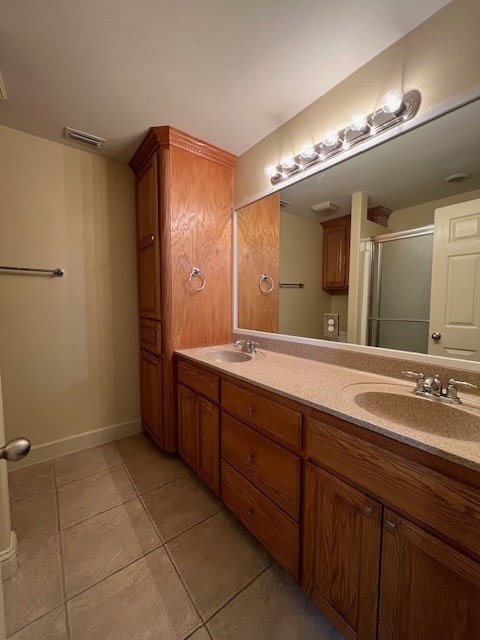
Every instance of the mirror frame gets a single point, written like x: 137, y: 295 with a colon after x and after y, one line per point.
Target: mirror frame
x: 417, y: 121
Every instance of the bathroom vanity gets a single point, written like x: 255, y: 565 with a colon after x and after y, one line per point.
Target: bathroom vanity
x: 379, y: 523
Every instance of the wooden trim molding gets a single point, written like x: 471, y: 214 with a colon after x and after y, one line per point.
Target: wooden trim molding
x: 167, y: 136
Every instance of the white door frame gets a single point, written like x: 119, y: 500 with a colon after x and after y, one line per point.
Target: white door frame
x: 8, y: 555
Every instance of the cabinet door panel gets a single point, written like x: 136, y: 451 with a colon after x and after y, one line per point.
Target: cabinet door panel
x: 148, y: 242
x: 187, y: 428
x: 208, y: 434
x: 341, y: 553
x: 336, y: 254
x: 276, y: 531
x: 428, y: 590
x: 273, y: 469
x: 151, y: 394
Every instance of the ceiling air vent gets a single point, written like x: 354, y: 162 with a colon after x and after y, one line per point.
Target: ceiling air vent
x: 325, y: 207
x: 85, y: 138
x: 3, y: 91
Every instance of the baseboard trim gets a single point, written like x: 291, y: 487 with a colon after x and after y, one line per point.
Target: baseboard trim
x: 9, y: 560
x: 49, y: 450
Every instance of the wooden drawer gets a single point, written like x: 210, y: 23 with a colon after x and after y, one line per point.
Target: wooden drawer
x: 151, y: 336
x: 274, y: 529
x: 271, y: 468
x: 280, y: 422
x: 443, y: 504
x: 203, y: 382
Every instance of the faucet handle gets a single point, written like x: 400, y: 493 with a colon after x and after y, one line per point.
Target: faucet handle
x: 419, y: 377
x: 412, y: 374
x: 453, y: 387
x: 461, y: 383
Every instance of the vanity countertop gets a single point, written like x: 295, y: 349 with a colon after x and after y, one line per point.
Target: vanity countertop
x: 330, y: 388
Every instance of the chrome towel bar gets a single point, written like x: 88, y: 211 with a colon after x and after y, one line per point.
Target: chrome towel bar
x: 58, y: 273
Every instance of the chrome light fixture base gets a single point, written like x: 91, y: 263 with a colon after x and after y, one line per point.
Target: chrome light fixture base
x: 377, y: 122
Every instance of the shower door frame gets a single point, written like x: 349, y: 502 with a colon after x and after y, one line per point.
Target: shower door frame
x: 377, y: 244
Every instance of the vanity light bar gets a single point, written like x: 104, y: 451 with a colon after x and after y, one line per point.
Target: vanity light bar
x: 396, y: 108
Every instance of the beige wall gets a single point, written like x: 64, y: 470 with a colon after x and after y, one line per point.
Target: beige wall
x: 68, y: 346
x: 301, y: 310
x: 440, y: 58
x: 422, y: 215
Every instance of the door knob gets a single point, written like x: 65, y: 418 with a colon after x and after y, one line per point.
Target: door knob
x: 436, y: 336
x: 15, y: 450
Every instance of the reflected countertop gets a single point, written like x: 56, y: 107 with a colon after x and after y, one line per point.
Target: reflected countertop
x: 332, y: 389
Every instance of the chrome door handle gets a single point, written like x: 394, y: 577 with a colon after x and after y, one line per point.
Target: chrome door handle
x: 15, y: 450
x: 436, y: 336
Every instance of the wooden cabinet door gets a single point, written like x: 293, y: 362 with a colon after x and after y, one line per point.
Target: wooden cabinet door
x: 187, y: 426
x: 427, y: 589
x: 336, y: 254
x: 208, y: 443
x: 151, y: 394
x: 342, y: 530
x: 148, y: 242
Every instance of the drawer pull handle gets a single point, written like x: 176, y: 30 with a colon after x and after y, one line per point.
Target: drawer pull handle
x: 251, y: 410
x: 250, y: 512
x: 250, y: 457
x: 367, y: 511
x: 390, y: 526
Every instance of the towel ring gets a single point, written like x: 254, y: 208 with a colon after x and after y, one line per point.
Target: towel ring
x: 197, y: 273
x: 266, y: 278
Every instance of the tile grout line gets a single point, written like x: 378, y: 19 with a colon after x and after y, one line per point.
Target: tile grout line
x: 237, y: 594
x: 62, y: 564
x: 177, y: 570
x: 89, y: 475
x: 200, y: 617
x: 115, y: 506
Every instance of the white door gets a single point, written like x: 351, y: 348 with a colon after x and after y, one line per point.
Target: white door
x: 455, y: 293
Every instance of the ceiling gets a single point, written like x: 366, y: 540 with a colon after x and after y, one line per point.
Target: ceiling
x: 226, y: 71
x: 405, y: 171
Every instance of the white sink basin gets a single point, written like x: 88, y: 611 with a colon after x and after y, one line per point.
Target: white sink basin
x: 397, y: 404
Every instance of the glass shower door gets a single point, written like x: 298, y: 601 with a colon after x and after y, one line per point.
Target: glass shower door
x: 400, y: 294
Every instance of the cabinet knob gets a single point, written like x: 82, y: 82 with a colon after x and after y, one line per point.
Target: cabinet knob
x: 390, y: 526
x: 251, y: 410
x: 367, y: 511
x: 250, y: 457
x: 250, y: 512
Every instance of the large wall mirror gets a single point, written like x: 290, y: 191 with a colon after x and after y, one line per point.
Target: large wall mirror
x: 381, y: 250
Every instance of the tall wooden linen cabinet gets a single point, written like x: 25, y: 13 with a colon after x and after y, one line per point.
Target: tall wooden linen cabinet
x: 184, y: 248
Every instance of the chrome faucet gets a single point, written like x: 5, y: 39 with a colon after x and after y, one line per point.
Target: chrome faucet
x: 433, y: 388
x: 249, y: 346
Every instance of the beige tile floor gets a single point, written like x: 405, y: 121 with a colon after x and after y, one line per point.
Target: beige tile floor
x: 121, y: 542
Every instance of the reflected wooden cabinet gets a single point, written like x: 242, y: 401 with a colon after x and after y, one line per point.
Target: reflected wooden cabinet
x: 184, y: 220
x: 341, y: 545
x: 258, y: 251
x: 336, y: 254
x: 428, y: 590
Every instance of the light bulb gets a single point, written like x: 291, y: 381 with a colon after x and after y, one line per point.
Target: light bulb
x: 392, y: 101
x: 271, y: 171
x: 287, y: 162
x: 330, y: 139
x: 307, y: 150
x: 358, y: 122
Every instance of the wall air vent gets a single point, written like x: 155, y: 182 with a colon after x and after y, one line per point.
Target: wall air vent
x: 3, y: 91
x: 85, y: 138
